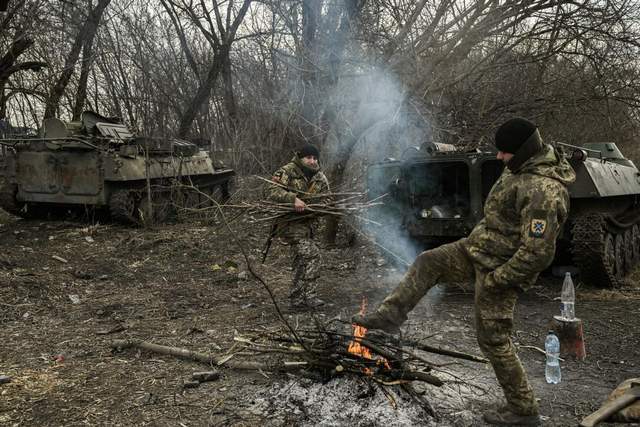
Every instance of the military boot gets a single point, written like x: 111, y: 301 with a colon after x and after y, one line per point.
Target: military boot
x: 505, y: 417
x: 376, y: 320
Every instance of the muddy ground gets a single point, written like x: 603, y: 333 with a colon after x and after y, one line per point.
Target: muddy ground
x: 68, y: 288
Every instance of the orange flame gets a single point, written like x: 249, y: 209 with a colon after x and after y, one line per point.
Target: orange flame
x: 355, y: 346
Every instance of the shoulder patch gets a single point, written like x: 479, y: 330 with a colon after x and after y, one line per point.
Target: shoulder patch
x: 281, y: 177
x: 537, y: 227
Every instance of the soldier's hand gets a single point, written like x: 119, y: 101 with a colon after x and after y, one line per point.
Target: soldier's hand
x: 490, y: 282
x: 299, y: 205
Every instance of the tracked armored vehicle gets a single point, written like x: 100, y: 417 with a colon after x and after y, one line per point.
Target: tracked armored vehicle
x: 97, y: 163
x: 436, y: 194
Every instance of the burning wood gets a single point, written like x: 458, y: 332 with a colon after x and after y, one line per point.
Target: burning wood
x: 322, y: 353
x: 327, y: 353
x: 356, y: 347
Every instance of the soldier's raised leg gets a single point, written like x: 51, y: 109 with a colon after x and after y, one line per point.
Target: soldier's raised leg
x: 448, y: 263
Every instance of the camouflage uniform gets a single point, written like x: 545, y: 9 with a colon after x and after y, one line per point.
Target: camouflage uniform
x: 505, y: 252
x: 297, y: 230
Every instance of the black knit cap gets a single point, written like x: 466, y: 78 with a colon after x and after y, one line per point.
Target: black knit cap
x: 513, y: 133
x: 309, y: 150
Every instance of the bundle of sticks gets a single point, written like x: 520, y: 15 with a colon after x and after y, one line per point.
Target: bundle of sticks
x: 340, y: 204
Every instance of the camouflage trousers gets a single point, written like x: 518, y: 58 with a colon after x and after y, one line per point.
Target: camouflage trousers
x: 305, y: 263
x: 450, y: 263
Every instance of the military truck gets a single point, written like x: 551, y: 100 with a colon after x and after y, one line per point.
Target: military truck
x: 436, y: 194
x: 97, y: 163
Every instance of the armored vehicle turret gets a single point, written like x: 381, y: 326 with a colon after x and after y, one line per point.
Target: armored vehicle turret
x: 98, y: 163
x: 436, y: 194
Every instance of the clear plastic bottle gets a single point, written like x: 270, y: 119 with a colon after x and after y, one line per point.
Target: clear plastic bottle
x: 568, y: 298
x: 552, y: 348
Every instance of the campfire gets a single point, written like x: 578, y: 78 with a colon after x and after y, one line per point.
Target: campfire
x: 356, y: 348
x: 325, y: 352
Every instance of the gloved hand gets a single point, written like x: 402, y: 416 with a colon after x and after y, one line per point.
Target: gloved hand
x: 491, y: 284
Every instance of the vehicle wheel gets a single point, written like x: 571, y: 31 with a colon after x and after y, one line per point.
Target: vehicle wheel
x: 629, y: 260
x: 9, y: 202
x: 122, y: 206
x: 619, y: 254
x: 164, y: 209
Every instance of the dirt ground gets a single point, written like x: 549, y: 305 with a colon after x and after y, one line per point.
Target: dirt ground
x: 67, y: 289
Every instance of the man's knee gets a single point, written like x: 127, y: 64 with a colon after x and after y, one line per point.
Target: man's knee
x: 448, y: 262
x: 494, y: 336
x: 429, y: 263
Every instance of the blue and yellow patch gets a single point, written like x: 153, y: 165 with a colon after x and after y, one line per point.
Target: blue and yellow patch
x: 537, y: 227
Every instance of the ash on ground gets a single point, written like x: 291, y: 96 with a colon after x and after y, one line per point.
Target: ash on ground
x: 354, y: 402
x: 339, y: 402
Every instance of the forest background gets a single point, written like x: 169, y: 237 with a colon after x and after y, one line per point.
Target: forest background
x: 363, y: 79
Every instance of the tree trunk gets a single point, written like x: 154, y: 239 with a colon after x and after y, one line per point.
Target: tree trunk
x: 347, y: 141
x: 81, y: 93
x: 201, y: 96
x: 336, y: 177
x: 229, y: 98
x: 86, y: 33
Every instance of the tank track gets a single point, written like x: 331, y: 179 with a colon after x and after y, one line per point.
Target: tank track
x: 8, y: 200
x: 600, y: 251
x: 123, y: 206
x: 129, y: 205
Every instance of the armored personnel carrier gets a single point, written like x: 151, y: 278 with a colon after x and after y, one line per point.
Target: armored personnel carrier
x: 98, y: 163
x: 436, y: 194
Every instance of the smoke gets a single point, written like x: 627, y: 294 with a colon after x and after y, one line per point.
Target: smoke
x: 374, y: 113
x: 363, y: 114
x: 376, y: 118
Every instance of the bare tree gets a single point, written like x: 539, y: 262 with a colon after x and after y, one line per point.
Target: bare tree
x: 83, y: 39
x: 220, y: 32
x: 14, y: 24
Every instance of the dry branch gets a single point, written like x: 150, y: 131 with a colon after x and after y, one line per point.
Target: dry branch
x: 326, y: 204
x: 208, y: 359
x: 331, y: 364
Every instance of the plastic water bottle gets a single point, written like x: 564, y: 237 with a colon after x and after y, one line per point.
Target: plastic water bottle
x: 552, y: 348
x: 568, y: 299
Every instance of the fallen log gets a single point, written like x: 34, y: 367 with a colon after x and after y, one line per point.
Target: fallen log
x: 205, y: 376
x: 201, y: 357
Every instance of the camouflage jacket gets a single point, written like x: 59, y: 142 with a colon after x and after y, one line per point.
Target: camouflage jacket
x: 294, y: 183
x: 523, y: 215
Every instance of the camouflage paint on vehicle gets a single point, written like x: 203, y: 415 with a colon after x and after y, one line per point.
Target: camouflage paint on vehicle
x: 97, y: 162
x: 435, y: 196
